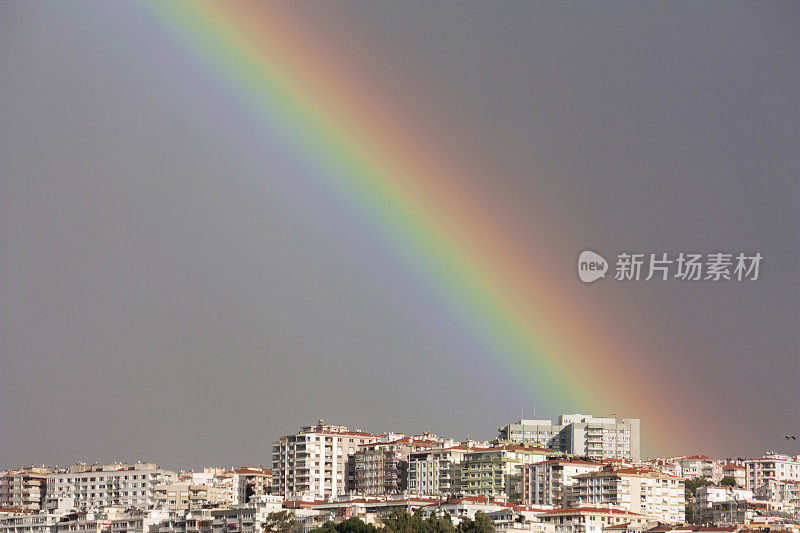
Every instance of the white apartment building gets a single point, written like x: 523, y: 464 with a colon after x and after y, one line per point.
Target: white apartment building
x: 111, y: 520
x: 735, y: 471
x: 785, y: 494
x: 700, y: 465
x: 28, y: 523
x: 707, y: 496
x: 549, y: 482
x: 465, y: 507
x: 95, y: 486
x: 5, y: 489
x: 253, y: 481
x: 580, y: 435
x: 316, y: 462
x: 436, y: 471
x: 590, y: 519
x: 184, y: 496
x: 773, y: 466
x: 651, y: 493
x: 23, y: 488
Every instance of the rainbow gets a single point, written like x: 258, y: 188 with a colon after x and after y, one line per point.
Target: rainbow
x: 443, y: 233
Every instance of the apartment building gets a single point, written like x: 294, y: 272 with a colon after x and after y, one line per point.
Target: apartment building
x: 17, y: 522
x: 316, y: 462
x: 254, y: 480
x: 381, y: 468
x: 111, y: 520
x: 590, y: 519
x: 496, y: 471
x: 785, y: 494
x: 5, y: 489
x: 735, y: 471
x: 24, y: 488
x: 703, y: 466
x: 230, y: 485
x: 436, y: 471
x: 773, y: 466
x: 665, y: 465
x: 707, y: 496
x: 539, y: 432
x: 548, y: 482
x: 184, y: 496
x: 580, y: 435
x: 651, y: 493
x: 94, y: 486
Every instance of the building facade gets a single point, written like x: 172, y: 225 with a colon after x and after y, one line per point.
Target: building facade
x: 184, y: 496
x: 771, y: 467
x: 735, y: 471
x: 590, y: 519
x: 381, y: 468
x: 495, y: 472
x: 24, y: 488
x: 580, y: 435
x: 703, y: 466
x: 436, y: 472
x: 549, y: 482
x: 316, y: 462
x: 651, y: 493
x: 95, y: 486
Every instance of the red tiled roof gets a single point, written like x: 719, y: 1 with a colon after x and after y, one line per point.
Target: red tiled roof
x: 594, y: 510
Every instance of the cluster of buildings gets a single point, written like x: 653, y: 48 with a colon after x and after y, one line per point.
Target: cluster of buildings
x: 582, y: 474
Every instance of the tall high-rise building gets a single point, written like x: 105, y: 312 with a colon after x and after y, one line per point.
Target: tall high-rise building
x: 580, y: 435
x: 317, y: 461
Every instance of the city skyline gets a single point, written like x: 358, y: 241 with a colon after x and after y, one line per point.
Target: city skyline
x: 221, y: 221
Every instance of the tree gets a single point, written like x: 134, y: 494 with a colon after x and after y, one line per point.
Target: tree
x: 351, y: 525
x: 327, y: 527
x: 481, y: 524
x: 280, y: 522
x: 693, y: 484
x: 728, y: 481
x: 442, y: 524
x: 400, y: 522
x: 355, y: 525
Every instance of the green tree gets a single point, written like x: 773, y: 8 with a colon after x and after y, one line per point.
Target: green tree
x: 481, y: 524
x: 442, y: 524
x: 400, y: 522
x: 351, y: 525
x: 280, y: 522
x: 693, y: 484
x: 327, y: 527
x: 728, y: 481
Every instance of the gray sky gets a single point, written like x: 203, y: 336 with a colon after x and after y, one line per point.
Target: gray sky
x: 172, y: 288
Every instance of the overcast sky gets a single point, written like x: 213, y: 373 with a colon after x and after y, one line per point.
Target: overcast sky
x: 161, y: 299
